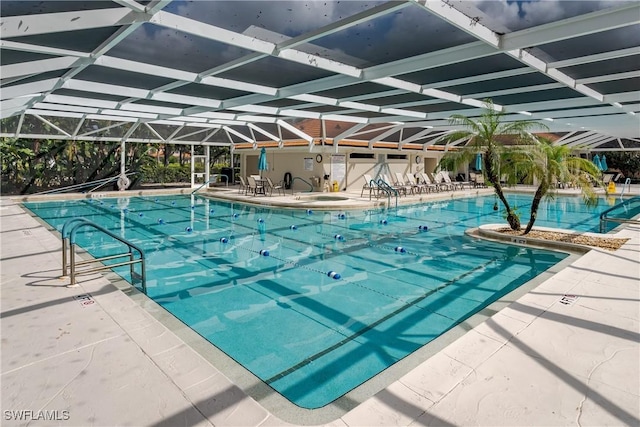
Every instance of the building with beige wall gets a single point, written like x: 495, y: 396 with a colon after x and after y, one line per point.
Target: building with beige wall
x: 319, y: 169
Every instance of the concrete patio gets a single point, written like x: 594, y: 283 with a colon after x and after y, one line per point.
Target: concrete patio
x: 561, y: 351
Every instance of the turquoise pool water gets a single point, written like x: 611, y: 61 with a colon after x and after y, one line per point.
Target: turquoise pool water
x: 310, y: 336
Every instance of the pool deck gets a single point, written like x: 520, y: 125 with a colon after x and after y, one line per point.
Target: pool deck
x: 565, y: 352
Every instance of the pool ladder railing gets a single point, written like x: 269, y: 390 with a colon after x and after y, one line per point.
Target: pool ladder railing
x: 303, y: 180
x: 626, y: 185
x: 604, y: 216
x: 226, y: 180
x: 388, y: 190
x: 69, y: 230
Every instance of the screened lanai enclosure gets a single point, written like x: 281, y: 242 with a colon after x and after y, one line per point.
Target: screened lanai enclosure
x: 320, y: 76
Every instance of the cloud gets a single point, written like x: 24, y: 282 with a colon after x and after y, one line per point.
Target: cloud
x: 518, y: 15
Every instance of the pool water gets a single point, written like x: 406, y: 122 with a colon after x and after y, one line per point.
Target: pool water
x: 306, y: 333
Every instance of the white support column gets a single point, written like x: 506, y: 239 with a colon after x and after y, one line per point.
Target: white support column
x: 123, y: 157
x: 232, y: 149
x: 207, y: 159
x: 193, y: 168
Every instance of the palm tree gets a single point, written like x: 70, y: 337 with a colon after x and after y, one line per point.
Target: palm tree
x: 485, y: 135
x: 549, y: 164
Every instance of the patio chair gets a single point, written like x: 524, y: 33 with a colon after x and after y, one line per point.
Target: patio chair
x: 479, y: 183
x: 253, y: 187
x: 243, y: 186
x: 270, y: 186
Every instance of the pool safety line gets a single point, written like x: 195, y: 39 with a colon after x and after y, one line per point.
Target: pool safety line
x: 332, y: 274
x: 349, y: 338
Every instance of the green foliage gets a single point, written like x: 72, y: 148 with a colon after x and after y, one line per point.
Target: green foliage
x: 486, y: 135
x: 30, y: 166
x: 627, y: 162
x: 550, y: 165
x: 173, y: 172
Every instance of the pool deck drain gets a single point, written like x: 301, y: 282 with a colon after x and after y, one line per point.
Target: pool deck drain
x: 93, y: 355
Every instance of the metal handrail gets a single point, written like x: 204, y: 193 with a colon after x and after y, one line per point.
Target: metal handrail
x: 627, y: 185
x: 384, y: 186
x: 69, y: 230
x: 604, y: 218
x: 303, y: 180
x: 208, y: 181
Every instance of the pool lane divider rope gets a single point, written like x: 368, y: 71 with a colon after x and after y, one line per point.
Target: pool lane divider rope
x: 349, y: 338
x: 265, y: 252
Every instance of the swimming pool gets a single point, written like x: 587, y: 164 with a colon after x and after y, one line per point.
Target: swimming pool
x: 308, y: 334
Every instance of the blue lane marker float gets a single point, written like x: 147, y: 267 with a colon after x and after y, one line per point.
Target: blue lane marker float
x: 188, y: 229
x: 333, y: 275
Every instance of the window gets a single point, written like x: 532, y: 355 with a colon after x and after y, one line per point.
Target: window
x: 361, y: 156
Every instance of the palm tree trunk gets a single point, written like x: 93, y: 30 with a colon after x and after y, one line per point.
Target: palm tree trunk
x: 537, y: 198
x: 492, y: 177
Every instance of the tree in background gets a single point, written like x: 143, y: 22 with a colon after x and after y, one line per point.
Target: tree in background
x: 29, y: 166
x: 627, y: 162
x: 486, y: 136
x: 548, y: 165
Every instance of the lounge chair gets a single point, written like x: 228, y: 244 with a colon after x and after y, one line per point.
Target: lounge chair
x: 401, y: 184
x: 439, y: 181
x: 369, y: 184
x: 447, y: 180
x: 400, y: 190
x: 426, y: 179
x: 459, y: 184
x: 417, y: 187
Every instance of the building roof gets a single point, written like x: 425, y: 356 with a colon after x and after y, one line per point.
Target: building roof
x: 247, y: 72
